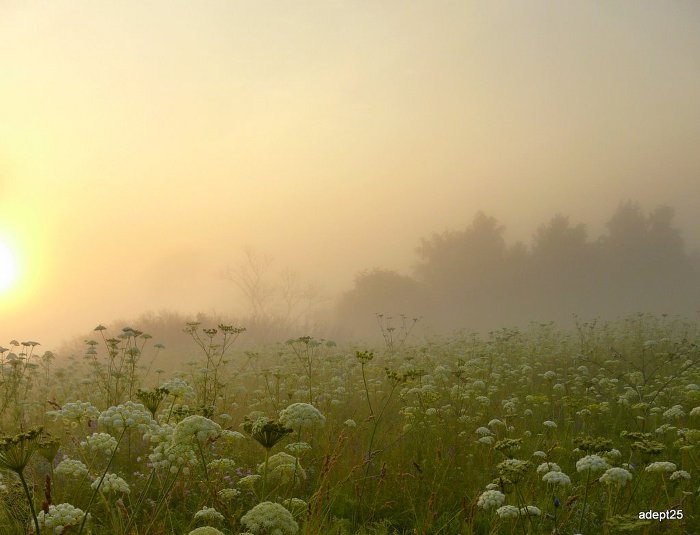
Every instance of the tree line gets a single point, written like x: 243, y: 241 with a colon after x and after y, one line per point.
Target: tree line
x: 472, y: 279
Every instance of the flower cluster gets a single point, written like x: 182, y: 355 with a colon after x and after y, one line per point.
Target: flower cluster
x: 166, y: 453
x: 508, y: 511
x: 282, y: 467
x: 205, y: 530
x: 128, y: 414
x: 557, y: 478
x: 301, y: 415
x: 111, y: 483
x: 269, y: 518
x: 295, y: 505
x: 616, y: 476
x: 221, y: 465
x: 196, y: 428
x: 267, y: 432
x: 661, y: 466
x: 71, y: 468
x: 75, y: 412
x: 16, y: 450
x: 679, y: 474
x: 178, y: 388
x: 548, y: 467
x: 208, y: 514
x: 60, y: 517
x: 229, y: 494
x: 594, y: 463
x: 249, y: 481
x: 298, y: 447
x: 103, y: 443
x: 490, y: 499
x: 513, y: 469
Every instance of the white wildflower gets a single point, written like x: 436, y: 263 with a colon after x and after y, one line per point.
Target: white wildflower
x: 221, y: 465
x: 76, y: 411
x: 269, y: 518
x: 196, y: 428
x: 178, y: 388
x: 594, y: 463
x: 128, y: 414
x: 556, y: 477
x: 507, y: 511
x: 60, y: 517
x: 674, y: 412
x: 661, y: 466
x: 298, y: 447
x: 490, y: 499
x: 616, y: 476
x: 206, y: 530
x: 111, y: 483
x: 548, y: 467
x: 679, y: 474
x: 102, y: 443
x: 248, y: 481
x: 71, y: 468
x: 208, y: 514
x: 229, y: 494
x: 301, y: 415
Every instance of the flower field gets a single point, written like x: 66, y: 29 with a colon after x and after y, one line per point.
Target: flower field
x: 517, y: 432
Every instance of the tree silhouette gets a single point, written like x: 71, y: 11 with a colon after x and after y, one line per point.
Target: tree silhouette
x: 475, y: 280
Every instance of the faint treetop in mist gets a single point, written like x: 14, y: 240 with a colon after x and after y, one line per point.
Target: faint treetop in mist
x: 473, y: 279
x: 272, y: 299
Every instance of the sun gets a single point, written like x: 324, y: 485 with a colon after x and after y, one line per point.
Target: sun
x: 8, y: 268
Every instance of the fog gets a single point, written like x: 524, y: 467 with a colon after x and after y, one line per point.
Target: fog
x: 152, y: 155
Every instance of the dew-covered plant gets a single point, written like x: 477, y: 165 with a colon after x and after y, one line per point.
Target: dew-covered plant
x: 517, y: 432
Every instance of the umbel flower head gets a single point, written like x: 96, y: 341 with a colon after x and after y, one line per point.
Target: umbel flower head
x: 111, y: 483
x: 127, y: 414
x: 205, y: 530
x: 47, y: 446
x: 269, y: 518
x: 299, y: 415
x: 616, y: 476
x: 15, y: 451
x: 555, y: 477
x: 152, y: 398
x: 594, y: 463
x: 71, y: 468
x: 208, y: 514
x: 196, y: 428
x: 491, y: 498
x: 267, y: 432
x: 59, y: 517
x: 284, y: 468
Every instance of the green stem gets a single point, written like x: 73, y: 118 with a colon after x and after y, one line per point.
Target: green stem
x: 30, y: 500
x: 267, y: 456
x: 364, y: 380
x: 97, y: 488
x: 206, y: 471
x: 139, y: 503
x: 585, y: 500
x: 156, y: 511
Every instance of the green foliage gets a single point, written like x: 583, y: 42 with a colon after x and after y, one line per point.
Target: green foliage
x: 539, y: 431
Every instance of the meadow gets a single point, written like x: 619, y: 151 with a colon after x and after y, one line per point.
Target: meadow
x: 542, y: 430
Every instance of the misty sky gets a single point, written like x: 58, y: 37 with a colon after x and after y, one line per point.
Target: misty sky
x: 143, y: 144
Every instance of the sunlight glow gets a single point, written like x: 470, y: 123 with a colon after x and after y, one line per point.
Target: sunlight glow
x: 8, y: 268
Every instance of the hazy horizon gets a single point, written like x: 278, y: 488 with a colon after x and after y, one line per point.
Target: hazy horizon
x: 143, y: 146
